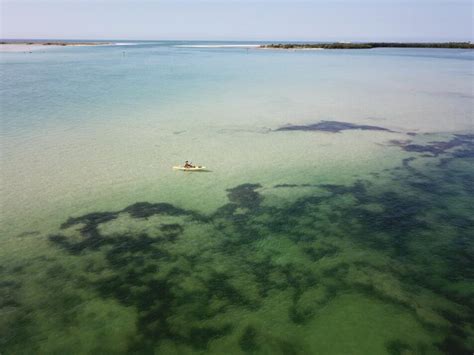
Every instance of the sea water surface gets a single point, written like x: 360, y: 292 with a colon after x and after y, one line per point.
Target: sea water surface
x: 335, y: 217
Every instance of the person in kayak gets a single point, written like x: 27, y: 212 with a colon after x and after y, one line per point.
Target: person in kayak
x: 188, y: 165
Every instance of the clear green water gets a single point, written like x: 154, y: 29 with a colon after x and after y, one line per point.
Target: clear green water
x: 295, y: 243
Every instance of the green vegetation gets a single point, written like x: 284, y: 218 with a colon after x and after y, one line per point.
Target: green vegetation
x: 368, y: 45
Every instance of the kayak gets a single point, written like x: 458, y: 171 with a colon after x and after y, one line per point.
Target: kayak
x: 194, y: 168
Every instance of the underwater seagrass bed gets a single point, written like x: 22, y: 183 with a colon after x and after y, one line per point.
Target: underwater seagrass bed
x: 381, y: 265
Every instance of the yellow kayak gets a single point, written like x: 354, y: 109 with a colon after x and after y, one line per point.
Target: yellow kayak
x: 194, y: 168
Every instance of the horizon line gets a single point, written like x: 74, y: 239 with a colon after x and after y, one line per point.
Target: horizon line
x: 239, y: 40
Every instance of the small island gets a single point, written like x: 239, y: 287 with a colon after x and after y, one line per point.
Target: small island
x: 369, y: 45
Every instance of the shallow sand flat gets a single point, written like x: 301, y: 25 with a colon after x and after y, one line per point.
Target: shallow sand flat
x: 23, y: 47
x: 292, y: 49
x: 137, y: 166
x: 218, y: 46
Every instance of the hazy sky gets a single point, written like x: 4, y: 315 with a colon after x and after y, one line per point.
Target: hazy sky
x: 238, y: 19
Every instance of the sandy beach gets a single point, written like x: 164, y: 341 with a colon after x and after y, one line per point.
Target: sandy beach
x: 23, y: 47
x: 14, y: 47
x: 219, y: 46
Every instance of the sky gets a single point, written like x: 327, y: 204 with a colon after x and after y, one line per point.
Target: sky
x: 309, y: 20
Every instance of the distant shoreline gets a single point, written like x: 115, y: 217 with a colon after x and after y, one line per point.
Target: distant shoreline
x: 33, y: 46
x: 54, y: 43
x: 368, y: 45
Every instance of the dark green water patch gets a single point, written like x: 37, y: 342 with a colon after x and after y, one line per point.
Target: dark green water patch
x: 332, y: 126
x: 398, y: 347
x: 245, y: 196
x: 248, y: 340
x: 465, y: 141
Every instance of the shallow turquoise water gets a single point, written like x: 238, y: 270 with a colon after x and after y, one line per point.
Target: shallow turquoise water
x: 357, y: 241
